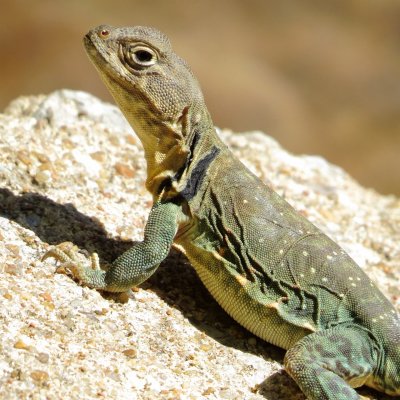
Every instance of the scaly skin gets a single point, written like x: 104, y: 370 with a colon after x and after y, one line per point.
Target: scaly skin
x: 268, y: 267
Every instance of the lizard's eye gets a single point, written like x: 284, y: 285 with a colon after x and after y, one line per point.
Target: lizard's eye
x: 140, y: 56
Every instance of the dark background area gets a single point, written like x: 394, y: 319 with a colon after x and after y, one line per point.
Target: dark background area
x: 322, y: 77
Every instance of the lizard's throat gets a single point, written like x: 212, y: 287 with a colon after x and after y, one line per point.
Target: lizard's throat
x: 163, y: 165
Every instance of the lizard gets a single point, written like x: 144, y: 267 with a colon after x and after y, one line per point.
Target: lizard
x: 270, y: 268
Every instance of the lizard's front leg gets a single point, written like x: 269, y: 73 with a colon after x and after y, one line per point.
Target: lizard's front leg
x: 328, y: 364
x: 135, y: 265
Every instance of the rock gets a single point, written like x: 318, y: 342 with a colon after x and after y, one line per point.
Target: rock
x: 71, y: 170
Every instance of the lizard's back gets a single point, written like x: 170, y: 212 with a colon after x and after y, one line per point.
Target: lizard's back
x: 269, y: 267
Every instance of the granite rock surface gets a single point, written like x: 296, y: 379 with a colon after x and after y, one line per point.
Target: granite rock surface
x: 71, y: 169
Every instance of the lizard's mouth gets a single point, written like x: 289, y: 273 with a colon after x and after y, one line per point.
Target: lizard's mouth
x: 96, y: 49
x: 91, y: 49
x: 87, y: 41
x: 97, y: 54
x: 106, y: 60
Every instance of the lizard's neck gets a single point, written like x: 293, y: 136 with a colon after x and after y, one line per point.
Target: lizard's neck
x: 169, y: 162
x: 171, y: 145
x: 163, y: 164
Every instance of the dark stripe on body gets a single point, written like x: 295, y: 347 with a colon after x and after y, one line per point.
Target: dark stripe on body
x: 196, y: 177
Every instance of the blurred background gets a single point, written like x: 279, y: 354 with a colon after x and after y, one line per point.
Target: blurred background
x: 322, y: 77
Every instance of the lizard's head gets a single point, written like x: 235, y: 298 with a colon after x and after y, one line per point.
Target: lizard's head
x: 154, y: 88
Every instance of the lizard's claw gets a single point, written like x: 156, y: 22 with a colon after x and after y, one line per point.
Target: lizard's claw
x: 70, y: 263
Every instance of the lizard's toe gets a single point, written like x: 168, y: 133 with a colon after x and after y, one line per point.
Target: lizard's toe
x: 67, y: 254
x: 63, y: 252
x: 72, y: 269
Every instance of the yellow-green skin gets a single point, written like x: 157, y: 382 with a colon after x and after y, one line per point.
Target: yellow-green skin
x: 271, y: 269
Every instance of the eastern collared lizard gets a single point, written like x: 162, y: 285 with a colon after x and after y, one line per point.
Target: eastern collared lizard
x: 271, y: 269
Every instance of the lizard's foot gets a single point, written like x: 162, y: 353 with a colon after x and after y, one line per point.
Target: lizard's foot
x: 70, y: 263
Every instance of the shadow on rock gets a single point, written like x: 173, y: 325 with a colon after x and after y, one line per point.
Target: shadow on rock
x: 55, y: 223
x: 175, y: 282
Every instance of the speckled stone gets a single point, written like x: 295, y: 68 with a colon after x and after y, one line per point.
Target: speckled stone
x: 71, y: 169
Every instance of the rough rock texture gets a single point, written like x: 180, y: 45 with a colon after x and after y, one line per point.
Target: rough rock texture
x: 72, y: 170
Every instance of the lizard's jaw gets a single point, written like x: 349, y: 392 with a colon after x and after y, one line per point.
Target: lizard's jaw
x: 121, y: 88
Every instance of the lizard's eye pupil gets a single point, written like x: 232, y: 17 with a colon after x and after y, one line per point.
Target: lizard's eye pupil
x: 140, y: 56
x: 143, y: 56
